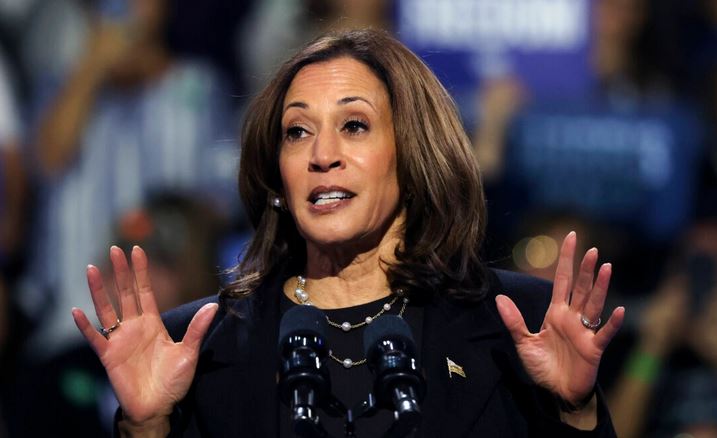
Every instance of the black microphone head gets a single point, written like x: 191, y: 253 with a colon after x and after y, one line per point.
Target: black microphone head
x: 304, y: 320
x: 391, y: 357
x: 387, y: 327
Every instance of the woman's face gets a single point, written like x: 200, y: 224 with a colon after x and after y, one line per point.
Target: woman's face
x: 338, y: 153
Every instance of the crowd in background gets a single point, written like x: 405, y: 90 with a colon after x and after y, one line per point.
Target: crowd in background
x: 119, y: 124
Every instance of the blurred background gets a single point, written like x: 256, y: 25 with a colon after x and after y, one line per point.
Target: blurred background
x: 119, y: 122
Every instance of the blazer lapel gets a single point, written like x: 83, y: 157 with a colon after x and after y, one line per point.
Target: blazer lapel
x: 465, y: 335
x: 239, y: 361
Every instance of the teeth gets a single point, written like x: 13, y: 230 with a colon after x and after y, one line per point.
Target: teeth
x: 327, y: 201
x: 331, y: 197
x: 334, y: 194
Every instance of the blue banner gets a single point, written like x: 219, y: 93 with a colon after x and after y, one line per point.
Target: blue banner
x: 637, y: 169
x: 545, y: 43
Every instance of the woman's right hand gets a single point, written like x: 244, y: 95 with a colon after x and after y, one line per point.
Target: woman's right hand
x: 149, y: 372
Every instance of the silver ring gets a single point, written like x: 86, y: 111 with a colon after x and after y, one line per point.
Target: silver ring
x: 590, y: 325
x: 106, y: 331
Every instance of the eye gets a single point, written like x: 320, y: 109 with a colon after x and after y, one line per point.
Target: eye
x: 295, y: 133
x: 355, y: 126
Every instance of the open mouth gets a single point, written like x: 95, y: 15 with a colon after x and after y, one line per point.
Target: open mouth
x: 325, y: 197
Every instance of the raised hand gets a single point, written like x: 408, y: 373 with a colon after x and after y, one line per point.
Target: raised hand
x: 148, y: 371
x: 563, y: 357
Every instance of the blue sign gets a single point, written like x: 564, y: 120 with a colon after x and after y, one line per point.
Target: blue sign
x: 636, y: 169
x: 545, y: 43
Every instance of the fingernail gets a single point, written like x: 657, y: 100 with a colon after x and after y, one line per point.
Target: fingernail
x: 208, y: 307
x: 90, y: 267
x: 593, y: 249
x: 572, y: 233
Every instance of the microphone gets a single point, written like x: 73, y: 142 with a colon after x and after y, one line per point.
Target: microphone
x: 304, y: 383
x: 398, y: 385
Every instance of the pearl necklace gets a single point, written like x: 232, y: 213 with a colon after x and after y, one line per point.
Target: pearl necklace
x: 303, y: 297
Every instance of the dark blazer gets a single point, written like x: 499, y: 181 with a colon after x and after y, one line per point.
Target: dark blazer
x: 234, y: 389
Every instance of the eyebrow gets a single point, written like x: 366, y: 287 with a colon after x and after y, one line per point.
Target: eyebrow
x: 350, y: 99
x: 301, y: 105
x: 342, y: 101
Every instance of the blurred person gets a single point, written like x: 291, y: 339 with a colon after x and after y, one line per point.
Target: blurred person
x: 278, y: 27
x: 200, y: 30
x: 132, y: 118
x: 13, y: 187
x: 662, y: 325
x: 702, y: 336
x: 623, y: 58
x: 46, y: 66
x: 180, y: 234
x: 499, y: 100
x: 623, y: 154
x: 13, y: 213
x: 669, y: 381
x: 624, y: 67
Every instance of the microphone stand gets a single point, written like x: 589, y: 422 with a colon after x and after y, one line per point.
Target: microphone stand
x: 305, y: 419
x: 366, y: 408
x: 406, y: 418
x: 407, y: 415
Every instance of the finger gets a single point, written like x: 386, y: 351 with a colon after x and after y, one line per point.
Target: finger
x: 512, y: 318
x: 124, y: 281
x: 564, y: 272
x: 610, y: 329
x: 199, y: 325
x: 140, y: 265
x: 106, y: 314
x: 596, y: 299
x: 584, y: 282
x: 96, y: 340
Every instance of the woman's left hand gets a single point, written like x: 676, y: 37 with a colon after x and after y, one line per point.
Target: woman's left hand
x: 563, y: 357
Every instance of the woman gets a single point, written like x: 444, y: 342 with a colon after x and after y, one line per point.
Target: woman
x: 366, y: 200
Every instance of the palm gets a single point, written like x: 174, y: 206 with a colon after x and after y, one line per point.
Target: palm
x: 563, y: 357
x: 149, y: 372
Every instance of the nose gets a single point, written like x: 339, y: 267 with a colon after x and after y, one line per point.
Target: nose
x: 326, y: 153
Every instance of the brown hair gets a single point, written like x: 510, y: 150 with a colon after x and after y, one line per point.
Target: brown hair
x: 437, y: 173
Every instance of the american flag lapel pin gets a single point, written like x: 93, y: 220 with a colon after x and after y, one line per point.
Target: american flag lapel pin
x: 454, y: 368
